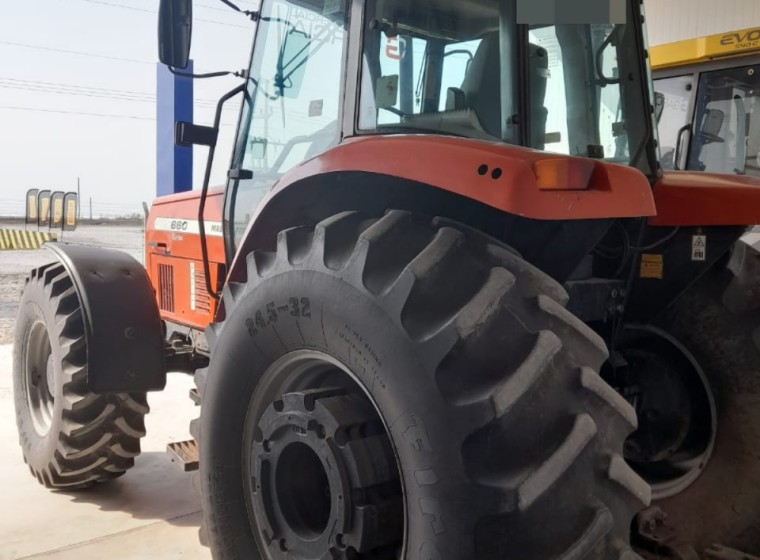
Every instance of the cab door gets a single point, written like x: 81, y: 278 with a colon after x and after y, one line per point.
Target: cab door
x: 292, y: 105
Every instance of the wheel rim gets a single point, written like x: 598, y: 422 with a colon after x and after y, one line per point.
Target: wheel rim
x: 676, y: 408
x: 322, y: 479
x: 39, y: 377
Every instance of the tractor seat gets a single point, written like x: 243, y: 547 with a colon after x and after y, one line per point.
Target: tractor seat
x: 481, y: 88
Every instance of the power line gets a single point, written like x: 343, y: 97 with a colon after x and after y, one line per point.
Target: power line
x: 145, y: 10
x: 40, y: 110
x: 79, y: 53
x: 89, y: 91
x: 85, y: 114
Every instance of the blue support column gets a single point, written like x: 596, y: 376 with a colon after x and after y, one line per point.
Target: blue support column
x: 174, y: 102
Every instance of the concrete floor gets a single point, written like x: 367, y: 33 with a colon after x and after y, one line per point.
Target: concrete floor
x: 151, y: 512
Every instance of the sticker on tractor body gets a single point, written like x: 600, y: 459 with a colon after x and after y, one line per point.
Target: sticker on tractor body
x: 698, y: 247
x: 652, y: 266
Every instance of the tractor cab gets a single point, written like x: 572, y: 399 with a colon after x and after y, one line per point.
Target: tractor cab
x: 467, y: 69
x: 323, y: 72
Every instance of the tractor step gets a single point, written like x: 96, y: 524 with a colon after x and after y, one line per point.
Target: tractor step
x: 195, y: 396
x: 718, y: 552
x: 185, y: 454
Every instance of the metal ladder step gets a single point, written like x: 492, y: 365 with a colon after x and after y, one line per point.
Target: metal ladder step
x: 184, y: 454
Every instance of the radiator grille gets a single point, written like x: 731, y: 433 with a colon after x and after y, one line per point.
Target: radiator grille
x: 166, y: 287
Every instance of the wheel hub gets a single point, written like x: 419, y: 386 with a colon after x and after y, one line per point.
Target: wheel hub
x: 39, y: 378
x: 675, y: 406
x: 324, y: 479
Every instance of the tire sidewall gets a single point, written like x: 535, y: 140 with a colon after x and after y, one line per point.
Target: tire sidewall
x: 35, y: 306
x: 351, y: 326
x: 722, y: 344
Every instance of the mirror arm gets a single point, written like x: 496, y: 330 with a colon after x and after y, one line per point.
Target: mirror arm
x: 238, y: 74
x: 253, y: 15
x: 204, y: 191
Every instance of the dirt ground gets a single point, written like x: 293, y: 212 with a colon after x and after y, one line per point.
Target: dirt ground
x: 15, y: 265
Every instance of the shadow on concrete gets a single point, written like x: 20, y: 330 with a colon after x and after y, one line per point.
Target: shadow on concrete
x: 154, y: 489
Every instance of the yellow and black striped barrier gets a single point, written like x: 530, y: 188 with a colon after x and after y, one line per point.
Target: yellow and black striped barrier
x: 20, y: 239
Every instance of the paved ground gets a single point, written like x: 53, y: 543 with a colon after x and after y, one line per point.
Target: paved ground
x: 151, y: 512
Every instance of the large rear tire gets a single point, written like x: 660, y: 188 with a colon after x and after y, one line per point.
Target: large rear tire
x: 435, y: 368
x: 70, y: 438
x: 721, y: 328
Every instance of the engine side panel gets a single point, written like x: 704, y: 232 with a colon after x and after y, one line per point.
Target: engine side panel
x: 173, y: 256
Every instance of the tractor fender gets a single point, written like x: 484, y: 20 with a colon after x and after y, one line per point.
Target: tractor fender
x: 123, y: 333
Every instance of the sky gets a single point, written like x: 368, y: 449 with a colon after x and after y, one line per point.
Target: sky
x: 77, y: 96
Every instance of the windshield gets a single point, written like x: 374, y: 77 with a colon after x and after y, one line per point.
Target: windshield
x: 447, y: 67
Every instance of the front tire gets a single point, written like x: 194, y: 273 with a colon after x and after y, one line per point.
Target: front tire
x: 70, y: 437
x: 491, y: 428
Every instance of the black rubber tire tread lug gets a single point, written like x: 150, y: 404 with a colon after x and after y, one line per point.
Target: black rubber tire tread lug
x: 420, y: 283
x: 593, y: 383
x: 600, y: 527
x: 260, y: 263
x: 519, y: 384
x: 93, y: 465
x: 334, y: 239
x: 486, y: 302
x: 568, y: 323
x: 551, y: 470
x: 200, y: 378
x: 539, y: 283
x: 620, y: 472
x: 231, y: 292
x: 72, y: 454
x: 195, y: 429
x: 212, y: 334
x: 384, y: 249
x: 293, y: 244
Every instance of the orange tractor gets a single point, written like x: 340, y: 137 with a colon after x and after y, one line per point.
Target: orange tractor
x: 447, y: 306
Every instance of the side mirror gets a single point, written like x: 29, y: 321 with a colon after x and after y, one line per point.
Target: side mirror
x: 713, y: 122
x: 175, y: 29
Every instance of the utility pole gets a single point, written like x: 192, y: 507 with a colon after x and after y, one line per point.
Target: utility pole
x: 90, y: 208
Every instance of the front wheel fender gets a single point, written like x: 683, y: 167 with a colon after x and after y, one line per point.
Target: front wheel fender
x: 125, y: 349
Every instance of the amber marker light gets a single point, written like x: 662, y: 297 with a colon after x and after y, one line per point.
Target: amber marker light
x: 566, y: 174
